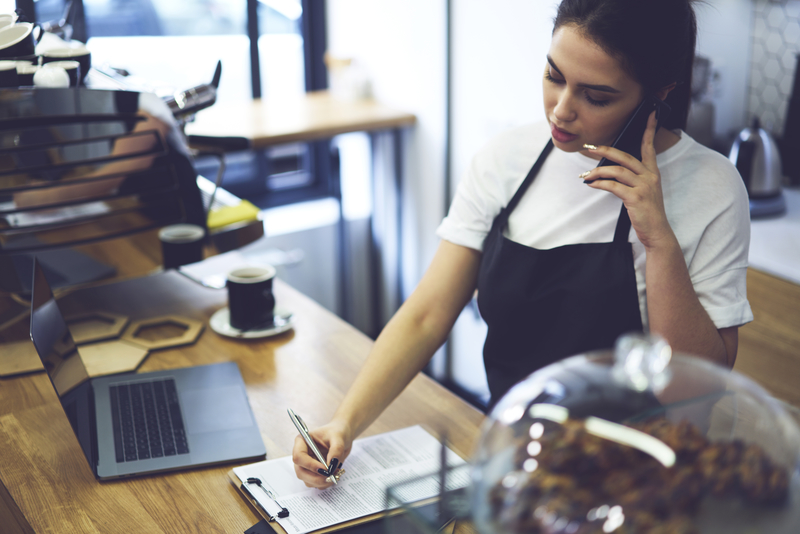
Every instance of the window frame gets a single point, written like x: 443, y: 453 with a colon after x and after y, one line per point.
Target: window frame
x: 321, y: 160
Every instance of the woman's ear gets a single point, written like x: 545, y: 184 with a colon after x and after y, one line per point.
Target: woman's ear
x: 662, y: 93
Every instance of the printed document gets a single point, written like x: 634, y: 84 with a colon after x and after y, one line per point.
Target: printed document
x: 374, y: 464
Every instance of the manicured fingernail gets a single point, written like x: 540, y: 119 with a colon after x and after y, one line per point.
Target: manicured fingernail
x: 589, y: 147
x: 334, y: 465
x: 323, y: 472
x: 584, y: 174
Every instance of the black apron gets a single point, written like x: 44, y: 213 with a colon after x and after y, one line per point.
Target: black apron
x: 544, y: 305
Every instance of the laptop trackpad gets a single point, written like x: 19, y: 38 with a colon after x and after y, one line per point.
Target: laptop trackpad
x: 215, y: 410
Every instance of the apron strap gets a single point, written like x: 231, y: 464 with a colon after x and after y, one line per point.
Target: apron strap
x: 504, y: 214
x: 623, y: 226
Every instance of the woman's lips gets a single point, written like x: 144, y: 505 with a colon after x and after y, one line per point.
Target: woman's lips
x: 560, y: 135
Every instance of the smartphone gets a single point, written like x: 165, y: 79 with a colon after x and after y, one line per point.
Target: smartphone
x: 630, y: 138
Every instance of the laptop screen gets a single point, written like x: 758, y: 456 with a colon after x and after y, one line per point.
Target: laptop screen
x: 52, y: 338
x: 63, y: 364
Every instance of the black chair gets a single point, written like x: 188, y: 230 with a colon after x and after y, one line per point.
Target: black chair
x: 80, y: 166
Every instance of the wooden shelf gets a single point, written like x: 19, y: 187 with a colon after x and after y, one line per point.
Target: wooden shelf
x: 315, y: 115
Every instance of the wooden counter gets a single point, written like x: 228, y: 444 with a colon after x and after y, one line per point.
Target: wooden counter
x: 48, y: 486
x: 769, y: 347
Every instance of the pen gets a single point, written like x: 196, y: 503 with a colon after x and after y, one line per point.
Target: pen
x: 303, y: 429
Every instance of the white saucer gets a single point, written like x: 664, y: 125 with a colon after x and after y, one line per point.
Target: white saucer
x: 220, y: 323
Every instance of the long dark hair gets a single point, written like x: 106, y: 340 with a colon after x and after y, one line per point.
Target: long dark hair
x: 653, y: 39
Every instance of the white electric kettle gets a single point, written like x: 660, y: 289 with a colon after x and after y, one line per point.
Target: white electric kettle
x: 756, y: 156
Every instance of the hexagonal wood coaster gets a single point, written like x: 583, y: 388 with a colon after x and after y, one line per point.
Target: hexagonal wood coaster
x: 19, y: 357
x: 163, y: 332
x: 96, y: 326
x: 100, y: 359
x: 110, y: 357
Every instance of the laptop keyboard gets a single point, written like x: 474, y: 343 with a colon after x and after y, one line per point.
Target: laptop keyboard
x: 147, y: 421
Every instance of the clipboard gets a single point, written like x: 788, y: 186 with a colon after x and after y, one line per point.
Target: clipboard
x: 234, y: 479
x: 405, y: 464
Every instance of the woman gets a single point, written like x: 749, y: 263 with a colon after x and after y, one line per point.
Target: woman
x: 571, y: 260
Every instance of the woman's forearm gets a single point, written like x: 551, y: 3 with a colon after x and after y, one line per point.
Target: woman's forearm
x: 413, y: 335
x: 400, y: 352
x: 675, y: 312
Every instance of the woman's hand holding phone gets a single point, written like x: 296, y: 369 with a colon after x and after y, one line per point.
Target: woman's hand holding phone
x: 638, y: 184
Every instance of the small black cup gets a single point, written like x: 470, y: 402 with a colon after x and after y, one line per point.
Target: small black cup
x: 181, y: 244
x: 250, y: 300
x: 25, y: 72
x: 8, y: 74
x: 73, y: 69
x: 17, y: 40
x: 81, y: 54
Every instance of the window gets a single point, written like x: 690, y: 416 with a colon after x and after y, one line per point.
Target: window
x: 168, y: 45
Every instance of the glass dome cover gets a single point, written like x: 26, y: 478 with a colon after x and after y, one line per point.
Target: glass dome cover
x: 637, y: 440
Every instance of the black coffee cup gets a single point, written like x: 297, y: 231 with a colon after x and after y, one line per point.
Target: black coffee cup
x: 25, y: 72
x: 250, y: 300
x: 181, y: 244
x: 8, y: 74
x: 81, y: 54
x: 8, y: 19
x: 73, y: 69
x: 18, y: 40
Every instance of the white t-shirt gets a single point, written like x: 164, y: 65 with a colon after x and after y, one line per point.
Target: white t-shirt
x: 704, y: 197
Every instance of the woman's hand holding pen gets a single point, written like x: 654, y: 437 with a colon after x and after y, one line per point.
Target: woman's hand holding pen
x: 638, y: 184
x: 334, y: 441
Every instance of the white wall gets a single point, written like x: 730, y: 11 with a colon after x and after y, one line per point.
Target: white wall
x: 723, y: 35
x: 401, y: 46
x: 498, y: 54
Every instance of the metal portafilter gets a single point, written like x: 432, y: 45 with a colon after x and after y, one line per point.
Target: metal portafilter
x: 185, y: 103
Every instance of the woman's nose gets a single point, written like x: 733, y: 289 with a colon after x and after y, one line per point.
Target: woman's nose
x: 564, y: 110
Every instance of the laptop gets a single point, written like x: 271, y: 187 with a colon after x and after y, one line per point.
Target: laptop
x: 144, y: 423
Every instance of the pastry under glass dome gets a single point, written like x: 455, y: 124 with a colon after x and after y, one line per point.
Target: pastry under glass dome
x: 633, y: 440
